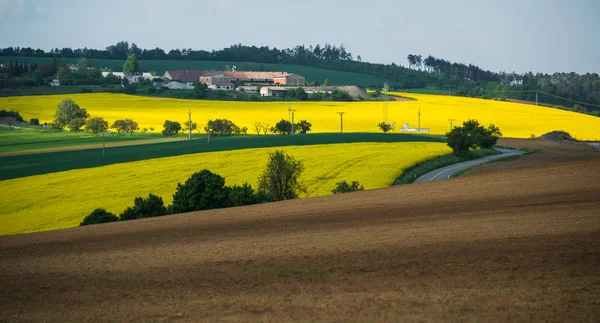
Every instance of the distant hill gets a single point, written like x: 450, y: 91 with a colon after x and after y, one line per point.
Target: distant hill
x: 160, y: 66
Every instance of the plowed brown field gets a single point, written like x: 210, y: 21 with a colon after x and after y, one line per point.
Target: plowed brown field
x: 518, y: 244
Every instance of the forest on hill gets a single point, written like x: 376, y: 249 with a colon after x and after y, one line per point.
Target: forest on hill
x: 567, y: 89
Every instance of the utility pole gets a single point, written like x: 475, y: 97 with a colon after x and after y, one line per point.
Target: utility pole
x: 536, y: 97
x: 450, y: 123
x: 449, y: 91
x: 386, y: 89
x: 341, y: 120
x: 190, y: 124
x: 208, y: 129
x: 419, y: 124
x: 103, y: 143
x: 289, y: 113
x: 293, y: 111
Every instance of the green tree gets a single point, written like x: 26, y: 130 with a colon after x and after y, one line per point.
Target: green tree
x: 82, y: 70
x: 221, y: 127
x: 204, y: 190
x: 459, y: 140
x: 472, y: 135
x: 76, y: 124
x: 189, y: 126
x: 99, y: 216
x: 300, y: 94
x: 385, y: 127
x: 66, y: 111
x: 344, y: 187
x: 131, y: 66
x: 303, y: 127
x: 326, y: 82
x: 96, y: 125
x: 280, y: 179
x: 144, y: 208
x: 125, y: 125
x: 34, y: 121
x: 242, y: 195
x: 490, y: 136
x: 283, y: 127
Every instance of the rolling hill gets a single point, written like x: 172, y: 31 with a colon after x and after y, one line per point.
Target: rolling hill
x: 159, y: 66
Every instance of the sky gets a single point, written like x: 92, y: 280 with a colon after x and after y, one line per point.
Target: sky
x: 507, y: 35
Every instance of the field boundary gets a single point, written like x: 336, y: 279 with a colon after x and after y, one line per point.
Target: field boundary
x: 411, y: 174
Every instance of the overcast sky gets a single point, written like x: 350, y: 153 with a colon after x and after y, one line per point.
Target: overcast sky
x: 506, y: 35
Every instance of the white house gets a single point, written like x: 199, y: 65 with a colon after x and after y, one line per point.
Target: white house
x: 272, y: 91
x: 131, y: 78
x: 407, y: 129
x: 223, y: 86
x: 55, y: 82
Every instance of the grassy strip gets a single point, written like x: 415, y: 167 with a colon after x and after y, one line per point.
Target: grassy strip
x: 33, y: 138
x: 422, y: 168
x: 526, y: 150
x: 35, y: 164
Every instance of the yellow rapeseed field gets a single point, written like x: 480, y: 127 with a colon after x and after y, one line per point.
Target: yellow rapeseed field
x: 61, y: 200
x: 514, y: 119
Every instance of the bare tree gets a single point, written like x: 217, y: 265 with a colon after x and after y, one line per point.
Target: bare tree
x: 257, y: 126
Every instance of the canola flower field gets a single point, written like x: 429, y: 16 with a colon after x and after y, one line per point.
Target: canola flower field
x: 514, y: 119
x: 61, y: 200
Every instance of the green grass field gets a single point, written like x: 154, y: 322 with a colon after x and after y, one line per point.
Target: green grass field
x: 159, y: 66
x: 33, y: 138
x: 36, y: 164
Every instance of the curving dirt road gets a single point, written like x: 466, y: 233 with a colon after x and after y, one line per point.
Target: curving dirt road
x: 518, y: 244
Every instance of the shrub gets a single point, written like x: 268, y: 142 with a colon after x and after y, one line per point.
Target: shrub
x: 34, y: 122
x: 99, y: 216
x: 204, y: 190
x: 344, y: 187
x: 171, y: 128
x: 144, y: 208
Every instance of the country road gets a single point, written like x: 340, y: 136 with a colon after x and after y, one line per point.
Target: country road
x: 446, y: 172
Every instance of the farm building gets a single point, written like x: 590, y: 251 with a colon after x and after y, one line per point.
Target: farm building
x: 248, y: 89
x: 265, y: 78
x: 131, y: 78
x: 222, y: 86
x: 289, y: 79
x: 272, y: 91
x: 185, y: 76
